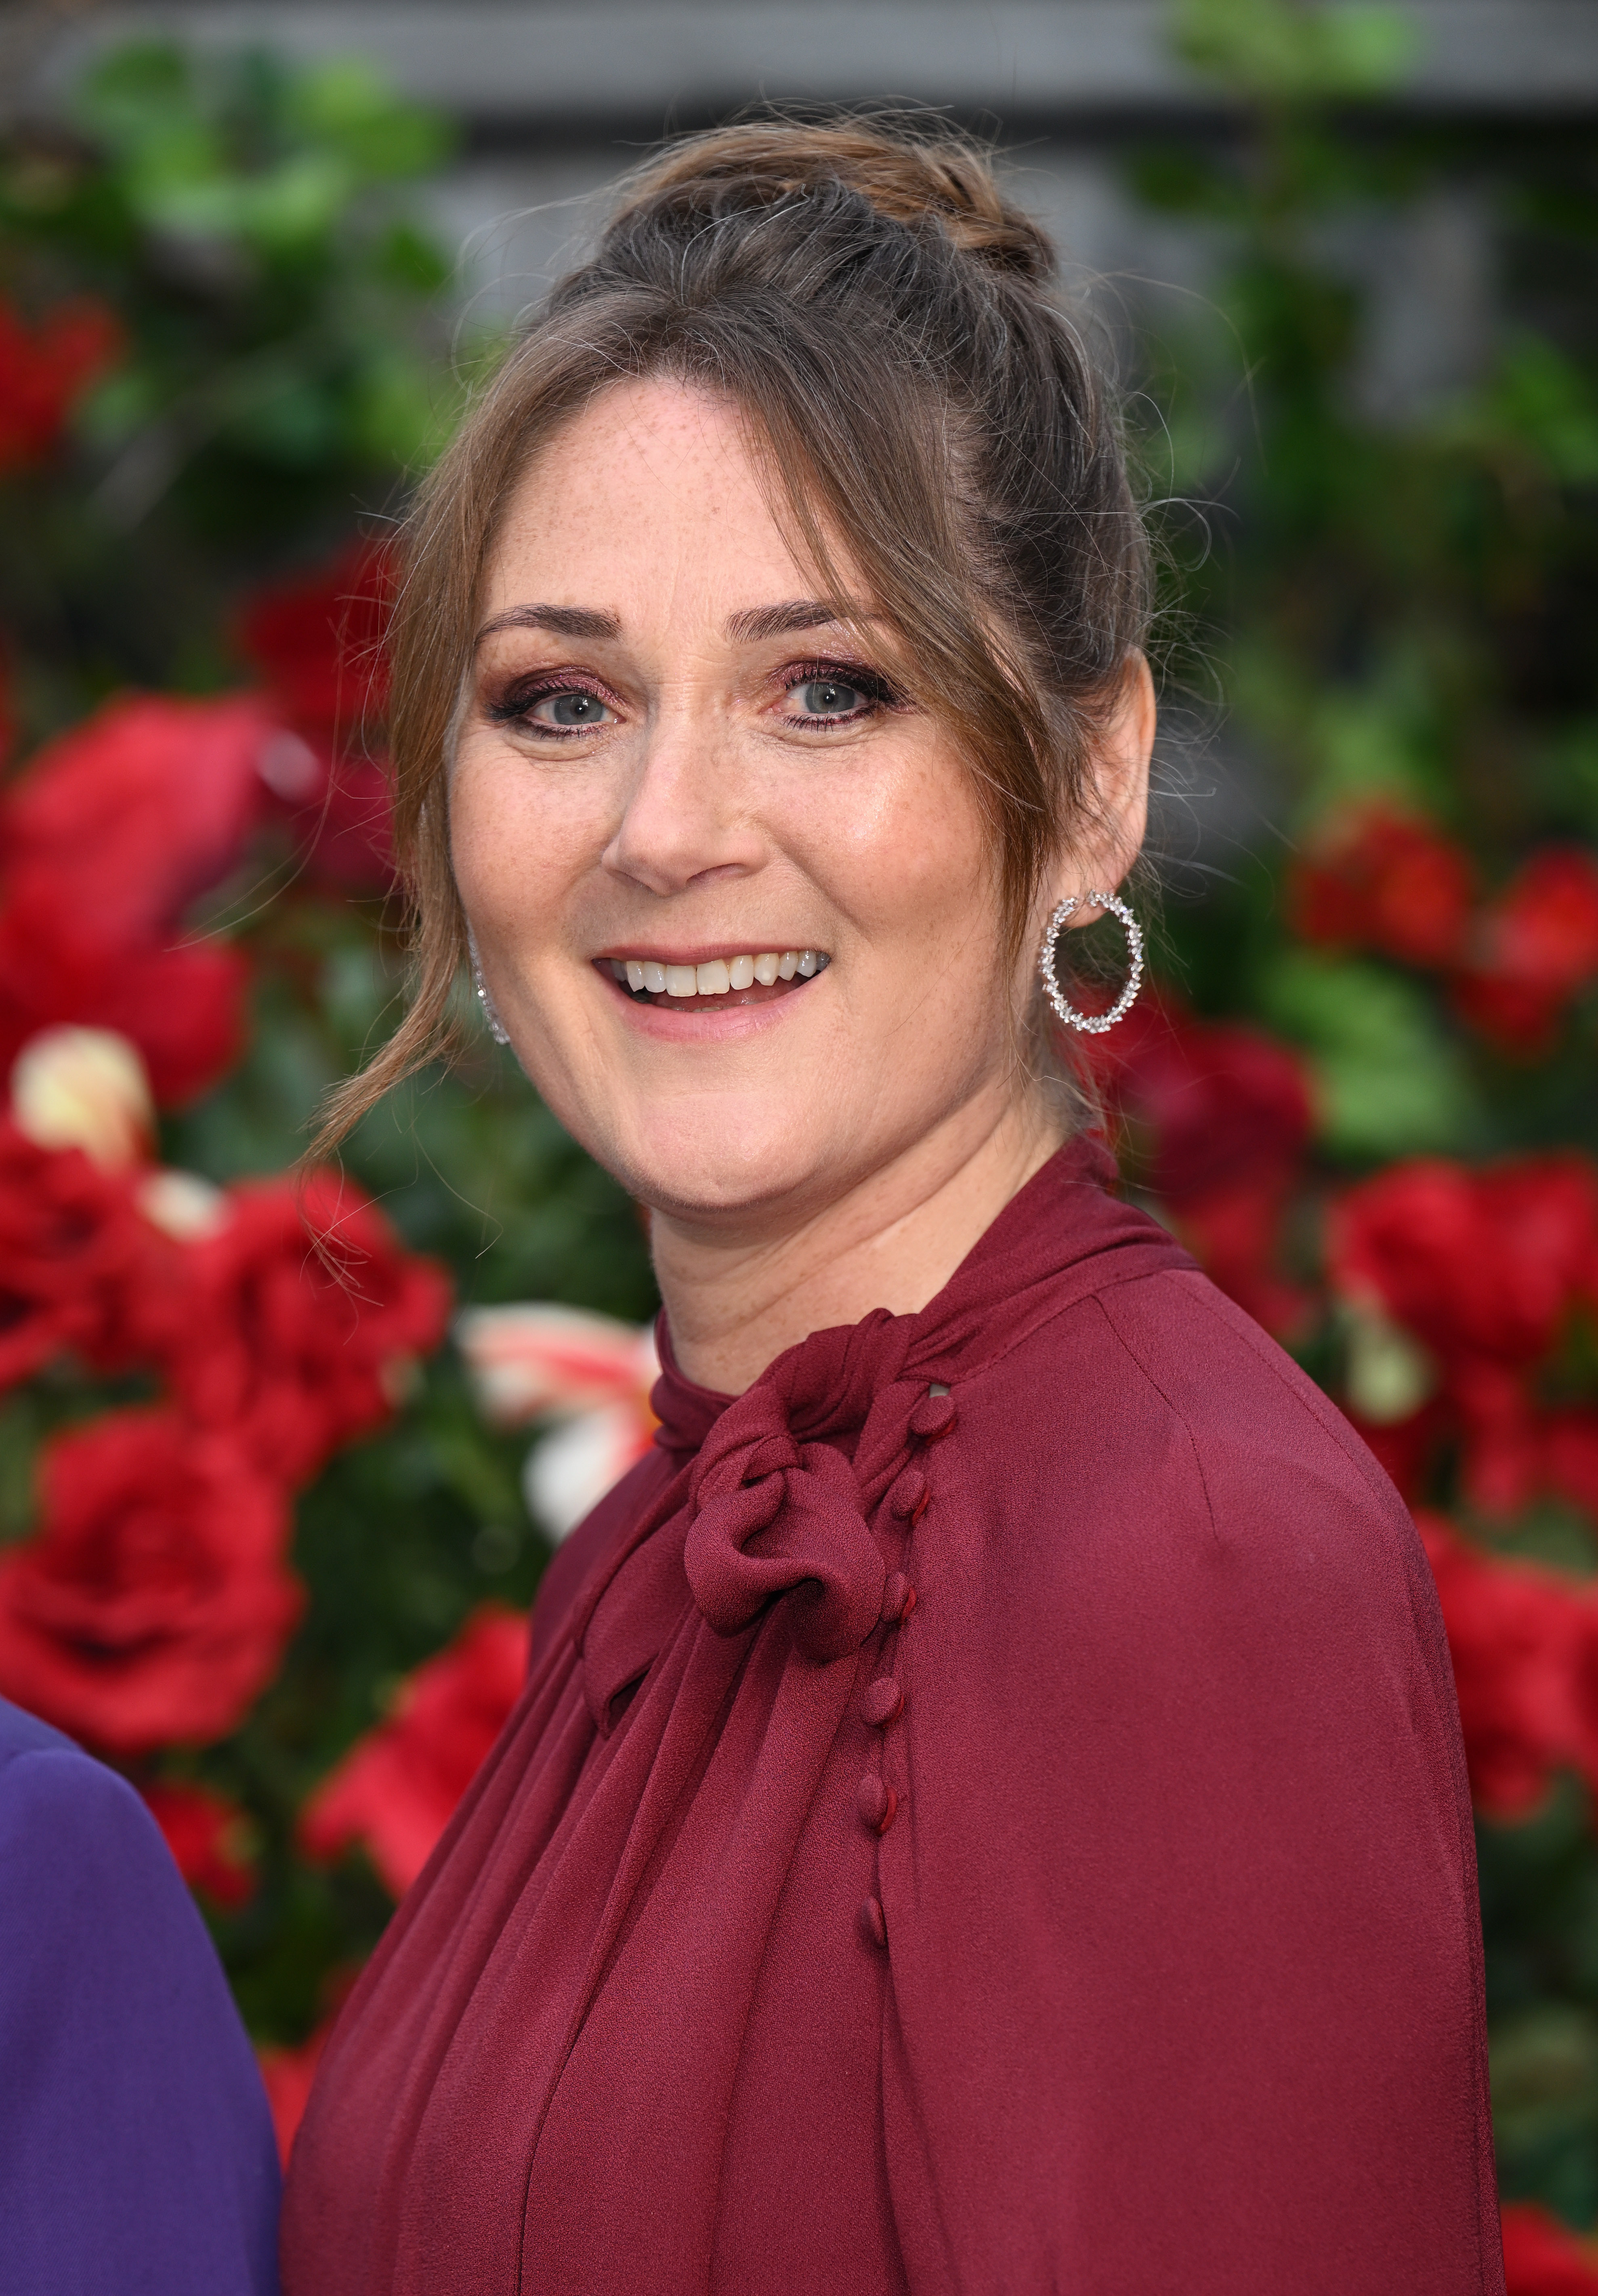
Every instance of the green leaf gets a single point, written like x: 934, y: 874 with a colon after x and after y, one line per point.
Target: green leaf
x: 1277, y: 49
x: 400, y: 411
x: 348, y: 106
x: 1389, y: 1082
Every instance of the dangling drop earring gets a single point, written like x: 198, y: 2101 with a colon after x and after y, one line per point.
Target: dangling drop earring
x: 1092, y: 1024
x: 496, y: 1026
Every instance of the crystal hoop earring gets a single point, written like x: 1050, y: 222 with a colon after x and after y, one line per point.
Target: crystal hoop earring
x: 1092, y: 1024
x: 496, y: 1026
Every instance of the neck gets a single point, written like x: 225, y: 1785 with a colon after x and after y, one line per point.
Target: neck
x: 736, y: 1301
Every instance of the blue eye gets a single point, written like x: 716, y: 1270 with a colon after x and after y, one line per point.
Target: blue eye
x: 572, y: 707
x: 827, y: 697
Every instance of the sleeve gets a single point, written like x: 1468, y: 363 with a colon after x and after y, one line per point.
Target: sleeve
x: 1186, y: 1982
x: 137, y: 2152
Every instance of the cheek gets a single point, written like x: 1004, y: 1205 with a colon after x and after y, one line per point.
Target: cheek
x: 518, y: 840
x: 910, y: 863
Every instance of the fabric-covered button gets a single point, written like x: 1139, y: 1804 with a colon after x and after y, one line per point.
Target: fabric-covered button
x: 932, y: 1417
x: 883, y: 1702
x: 877, y: 1803
x: 873, y: 1929
x: 908, y: 1496
x: 899, y: 1598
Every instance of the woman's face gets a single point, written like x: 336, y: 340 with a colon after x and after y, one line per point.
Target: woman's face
x: 674, y: 768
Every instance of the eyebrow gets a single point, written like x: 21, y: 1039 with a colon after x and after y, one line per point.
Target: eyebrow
x: 748, y: 629
x: 563, y: 621
x: 777, y: 621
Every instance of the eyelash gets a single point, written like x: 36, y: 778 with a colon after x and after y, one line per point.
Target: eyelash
x: 874, y: 690
x: 515, y: 708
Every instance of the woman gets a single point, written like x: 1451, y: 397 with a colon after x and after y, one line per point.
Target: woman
x: 986, y: 1812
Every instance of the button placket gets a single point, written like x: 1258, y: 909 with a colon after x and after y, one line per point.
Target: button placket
x: 882, y: 1701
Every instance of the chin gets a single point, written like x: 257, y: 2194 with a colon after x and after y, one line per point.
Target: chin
x: 708, y: 1160
x: 696, y: 1178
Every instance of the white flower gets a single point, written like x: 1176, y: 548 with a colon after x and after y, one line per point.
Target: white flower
x: 572, y: 1468
x: 83, y: 1088
x: 183, y: 1205
x: 590, y: 1373
x: 532, y: 1360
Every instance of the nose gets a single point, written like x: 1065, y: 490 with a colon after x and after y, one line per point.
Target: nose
x: 684, y: 817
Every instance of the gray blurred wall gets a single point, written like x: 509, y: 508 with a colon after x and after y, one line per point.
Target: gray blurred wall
x: 557, y: 98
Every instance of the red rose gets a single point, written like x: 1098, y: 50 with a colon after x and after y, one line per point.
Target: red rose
x: 44, y: 372
x: 1475, y: 1263
x: 1217, y: 1118
x: 1380, y: 878
x: 1485, y: 1268
x: 397, y: 1788
x: 1512, y: 1633
x: 1221, y: 1106
x: 347, y: 834
x: 183, y: 1005
x: 1571, y: 1451
x: 151, y: 1607
x: 80, y: 1268
x: 209, y: 1839
x: 320, y: 644
x: 303, y: 1313
x: 131, y: 815
x: 1541, y: 2256
x: 1534, y: 948
x: 107, y: 839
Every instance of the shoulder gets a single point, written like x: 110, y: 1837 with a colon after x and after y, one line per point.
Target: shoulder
x: 25, y: 1733
x: 1162, y: 1383
x: 79, y: 1819
x: 1154, y: 1548
x: 94, y: 1900
x: 136, y: 2145
x: 1245, y: 1405
x: 1153, y: 1460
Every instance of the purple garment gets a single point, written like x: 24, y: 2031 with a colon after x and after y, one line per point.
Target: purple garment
x: 137, y: 2152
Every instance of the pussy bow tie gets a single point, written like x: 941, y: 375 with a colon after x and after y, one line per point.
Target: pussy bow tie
x: 774, y: 1505
x: 776, y: 1489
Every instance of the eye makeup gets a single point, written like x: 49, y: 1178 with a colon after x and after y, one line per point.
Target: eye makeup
x: 522, y: 696
x: 855, y: 676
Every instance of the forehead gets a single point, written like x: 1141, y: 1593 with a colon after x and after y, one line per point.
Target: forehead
x: 652, y: 501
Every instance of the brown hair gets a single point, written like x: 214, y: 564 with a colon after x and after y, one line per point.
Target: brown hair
x: 885, y: 318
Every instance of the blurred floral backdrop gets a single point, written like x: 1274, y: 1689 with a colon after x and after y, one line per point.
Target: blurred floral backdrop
x: 268, y: 1523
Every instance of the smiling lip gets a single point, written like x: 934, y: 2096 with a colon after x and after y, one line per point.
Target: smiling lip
x: 717, y: 981
x: 707, y: 981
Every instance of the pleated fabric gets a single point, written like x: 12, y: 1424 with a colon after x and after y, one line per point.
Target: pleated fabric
x: 987, y: 1814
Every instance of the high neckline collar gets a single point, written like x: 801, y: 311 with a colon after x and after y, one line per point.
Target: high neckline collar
x: 1061, y: 1216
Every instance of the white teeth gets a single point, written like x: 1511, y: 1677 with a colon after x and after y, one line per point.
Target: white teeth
x: 719, y: 975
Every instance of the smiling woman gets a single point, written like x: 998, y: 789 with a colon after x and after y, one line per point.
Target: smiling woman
x: 986, y: 1810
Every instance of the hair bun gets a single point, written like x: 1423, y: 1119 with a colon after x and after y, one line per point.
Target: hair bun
x: 909, y: 170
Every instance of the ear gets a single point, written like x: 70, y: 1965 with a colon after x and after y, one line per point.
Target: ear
x: 1109, y: 838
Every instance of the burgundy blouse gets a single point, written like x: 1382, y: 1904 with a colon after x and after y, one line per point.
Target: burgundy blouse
x: 987, y: 1814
